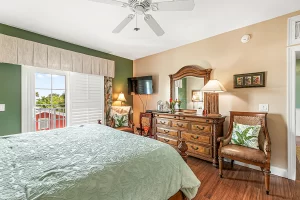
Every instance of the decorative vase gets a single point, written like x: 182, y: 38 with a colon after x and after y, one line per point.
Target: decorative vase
x: 172, y: 110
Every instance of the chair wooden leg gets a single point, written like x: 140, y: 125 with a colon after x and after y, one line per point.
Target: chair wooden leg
x: 267, y: 180
x: 221, y: 167
x: 231, y: 163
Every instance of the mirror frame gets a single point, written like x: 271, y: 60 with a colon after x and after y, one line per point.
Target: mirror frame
x: 190, y: 70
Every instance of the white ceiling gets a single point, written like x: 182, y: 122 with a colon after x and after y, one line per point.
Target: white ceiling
x: 90, y: 24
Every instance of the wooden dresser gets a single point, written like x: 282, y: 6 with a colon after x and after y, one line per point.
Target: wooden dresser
x: 200, y: 133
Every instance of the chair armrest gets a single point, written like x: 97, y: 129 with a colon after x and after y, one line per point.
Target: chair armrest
x: 224, y: 140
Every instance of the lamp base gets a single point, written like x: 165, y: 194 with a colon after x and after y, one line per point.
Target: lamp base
x: 212, y: 103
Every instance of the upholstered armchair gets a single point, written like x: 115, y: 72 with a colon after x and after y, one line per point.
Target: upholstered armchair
x: 122, y: 110
x: 259, y: 157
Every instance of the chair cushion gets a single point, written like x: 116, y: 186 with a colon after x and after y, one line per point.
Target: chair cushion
x: 245, y: 135
x: 120, y: 120
x: 244, y: 153
x: 126, y: 129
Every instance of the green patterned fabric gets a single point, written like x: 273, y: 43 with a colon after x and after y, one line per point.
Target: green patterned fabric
x: 120, y: 120
x: 91, y: 162
x: 245, y: 135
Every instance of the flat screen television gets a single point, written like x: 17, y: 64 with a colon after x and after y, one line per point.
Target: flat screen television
x: 140, y: 85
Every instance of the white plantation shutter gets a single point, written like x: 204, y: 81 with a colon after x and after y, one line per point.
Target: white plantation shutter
x: 297, y: 30
x: 86, y: 98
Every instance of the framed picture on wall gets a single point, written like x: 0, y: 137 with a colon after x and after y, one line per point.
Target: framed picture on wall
x: 249, y: 80
x: 197, y: 96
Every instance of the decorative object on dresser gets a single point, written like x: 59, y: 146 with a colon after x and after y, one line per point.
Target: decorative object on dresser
x: 213, y: 87
x: 249, y: 80
x: 121, y: 98
x: 122, y: 111
x: 199, y: 132
x: 260, y: 157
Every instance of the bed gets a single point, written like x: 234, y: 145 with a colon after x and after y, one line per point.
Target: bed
x: 91, y: 162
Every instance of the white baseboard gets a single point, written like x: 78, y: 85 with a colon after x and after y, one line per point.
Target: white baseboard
x: 274, y: 170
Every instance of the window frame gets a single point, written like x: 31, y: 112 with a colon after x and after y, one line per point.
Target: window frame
x: 292, y: 31
x: 28, y: 94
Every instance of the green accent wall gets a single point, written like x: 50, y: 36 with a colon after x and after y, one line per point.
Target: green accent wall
x: 10, y: 95
x: 182, y: 94
x: 123, y: 70
x: 298, y: 83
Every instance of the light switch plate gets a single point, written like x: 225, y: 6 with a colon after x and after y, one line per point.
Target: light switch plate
x: 2, y: 107
x: 263, y: 107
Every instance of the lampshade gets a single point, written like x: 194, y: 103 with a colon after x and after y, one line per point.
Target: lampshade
x: 121, y: 97
x: 213, y: 86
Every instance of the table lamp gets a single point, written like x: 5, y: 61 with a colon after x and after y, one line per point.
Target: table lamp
x: 121, y: 98
x: 214, y: 86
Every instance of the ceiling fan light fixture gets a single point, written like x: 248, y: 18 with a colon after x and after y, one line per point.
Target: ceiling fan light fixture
x: 141, y: 7
x: 154, y: 7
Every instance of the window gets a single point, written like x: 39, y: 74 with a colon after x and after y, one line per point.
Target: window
x: 50, y: 90
x: 56, y: 99
x: 294, y: 30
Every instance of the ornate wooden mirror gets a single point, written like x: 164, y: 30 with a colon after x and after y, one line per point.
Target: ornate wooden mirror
x: 186, y: 84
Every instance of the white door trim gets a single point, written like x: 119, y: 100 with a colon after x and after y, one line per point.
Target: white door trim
x: 291, y: 110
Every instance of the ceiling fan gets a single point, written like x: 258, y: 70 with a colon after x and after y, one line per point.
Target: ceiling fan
x: 142, y: 7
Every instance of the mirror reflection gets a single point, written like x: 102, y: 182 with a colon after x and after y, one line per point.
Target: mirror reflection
x: 187, y: 90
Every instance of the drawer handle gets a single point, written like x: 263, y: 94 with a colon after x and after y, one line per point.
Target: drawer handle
x: 166, y: 140
x: 200, y: 128
x: 195, y: 148
x: 162, y: 122
x: 195, y: 138
x: 183, y: 117
x: 207, y: 121
x: 166, y: 131
x: 180, y: 125
x: 174, y: 117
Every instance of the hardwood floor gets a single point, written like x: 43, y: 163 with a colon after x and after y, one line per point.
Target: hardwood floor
x: 240, y: 183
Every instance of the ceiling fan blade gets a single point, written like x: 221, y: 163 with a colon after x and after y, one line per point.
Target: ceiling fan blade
x: 112, y: 2
x: 154, y: 25
x: 177, y: 5
x: 124, y: 23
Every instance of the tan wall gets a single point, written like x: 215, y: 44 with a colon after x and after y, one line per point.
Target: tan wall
x: 227, y: 56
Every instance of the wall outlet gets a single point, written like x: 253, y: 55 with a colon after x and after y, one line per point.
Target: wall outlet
x: 2, y: 107
x: 263, y: 107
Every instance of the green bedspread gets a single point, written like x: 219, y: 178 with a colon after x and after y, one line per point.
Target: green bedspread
x: 91, y: 162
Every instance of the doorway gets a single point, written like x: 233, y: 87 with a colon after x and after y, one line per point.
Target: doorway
x: 293, y: 104
x: 298, y: 115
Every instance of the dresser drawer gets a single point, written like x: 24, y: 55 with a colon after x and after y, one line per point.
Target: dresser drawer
x: 170, y: 132
x: 163, y: 121
x: 166, y: 116
x: 197, y: 119
x: 199, y: 149
x: 167, y: 140
x: 202, y: 128
x: 180, y: 124
x: 205, y: 139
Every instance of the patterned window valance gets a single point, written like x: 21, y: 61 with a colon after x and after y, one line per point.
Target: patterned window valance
x: 18, y: 51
